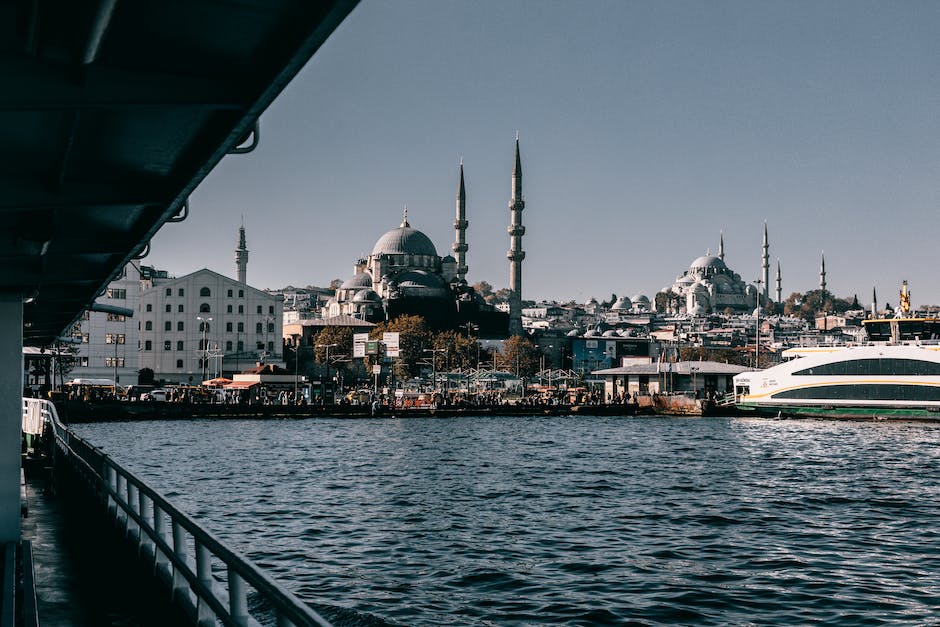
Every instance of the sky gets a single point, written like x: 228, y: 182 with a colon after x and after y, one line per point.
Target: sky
x: 646, y: 129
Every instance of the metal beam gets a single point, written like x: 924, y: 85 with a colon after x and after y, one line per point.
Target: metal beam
x: 34, y: 85
x: 17, y: 196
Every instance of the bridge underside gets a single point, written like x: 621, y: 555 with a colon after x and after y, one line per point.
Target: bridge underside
x: 111, y: 113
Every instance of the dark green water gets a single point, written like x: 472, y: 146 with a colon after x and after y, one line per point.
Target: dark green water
x: 579, y: 521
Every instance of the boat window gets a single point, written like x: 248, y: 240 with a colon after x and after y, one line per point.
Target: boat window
x: 866, y: 391
x: 876, y: 367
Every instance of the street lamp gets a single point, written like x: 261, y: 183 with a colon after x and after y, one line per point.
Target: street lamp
x: 327, y: 347
x: 434, y: 364
x: 205, y: 320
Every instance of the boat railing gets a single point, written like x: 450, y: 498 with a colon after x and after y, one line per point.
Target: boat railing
x: 183, y: 555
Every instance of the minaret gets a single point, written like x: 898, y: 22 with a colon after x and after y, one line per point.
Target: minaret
x: 460, y: 226
x: 516, y: 254
x: 241, y: 256
x: 874, y: 303
x: 822, y: 275
x: 721, y: 246
x: 779, y: 288
x: 765, y: 265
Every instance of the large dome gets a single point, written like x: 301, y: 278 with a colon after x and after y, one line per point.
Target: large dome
x: 404, y: 241
x: 708, y: 261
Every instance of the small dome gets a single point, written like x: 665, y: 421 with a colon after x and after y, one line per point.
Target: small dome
x: 640, y: 298
x: 419, y: 278
x: 448, y: 259
x: 622, y: 303
x: 698, y: 310
x: 357, y: 281
x: 404, y: 241
x: 366, y: 296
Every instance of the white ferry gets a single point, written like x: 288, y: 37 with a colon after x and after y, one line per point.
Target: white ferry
x: 895, y: 375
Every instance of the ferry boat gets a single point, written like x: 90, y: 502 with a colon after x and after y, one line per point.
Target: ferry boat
x: 895, y: 374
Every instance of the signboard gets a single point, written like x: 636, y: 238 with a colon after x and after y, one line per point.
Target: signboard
x: 390, y: 339
x: 360, y: 338
x: 359, y: 350
x: 372, y: 347
x: 377, y: 369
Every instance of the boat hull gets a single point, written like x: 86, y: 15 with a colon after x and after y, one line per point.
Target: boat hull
x: 848, y: 412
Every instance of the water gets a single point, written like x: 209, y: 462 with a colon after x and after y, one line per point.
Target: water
x: 578, y: 521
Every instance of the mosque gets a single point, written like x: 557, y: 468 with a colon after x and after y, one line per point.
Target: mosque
x: 710, y: 286
x: 405, y: 275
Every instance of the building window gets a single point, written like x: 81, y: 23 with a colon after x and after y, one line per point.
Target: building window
x: 148, y: 325
x: 169, y: 292
x: 258, y: 328
x: 241, y: 327
x: 111, y: 362
x: 228, y: 346
x: 230, y: 293
x: 270, y: 327
x: 169, y: 308
x: 204, y: 327
x: 259, y: 310
x: 204, y: 308
x: 179, y: 345
x: 181, y: 292
x: 241, y: 293
x: 115, y: 317
x: 148, y: 345
x: 117, y: 294
x: 167, y: 326
x: 228, y: 327
x: 84, y: 338
x: 179, y: 363
x: 179, y: 325
x: 204, y: 292
x: 228, y: 309
x: 241, y: 309
x: 271, y: 309
x: 241, y: 347
x: 83, y: 361
x: 114, y: 338
x: 179, y: 309
x: 86, y: 315
x: 270, y: 347
x: 203, y: 345
x: 149, y: 307
x: 167, y: 345
x: 260, y: 346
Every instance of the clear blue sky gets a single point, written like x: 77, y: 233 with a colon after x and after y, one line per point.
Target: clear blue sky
x: 646, y: 128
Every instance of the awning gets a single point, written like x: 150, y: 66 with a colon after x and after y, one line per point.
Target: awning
x: 217, y: 382
x: 241, y: 385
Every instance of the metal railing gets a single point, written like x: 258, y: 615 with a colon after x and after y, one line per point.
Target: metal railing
x: 182, y: 554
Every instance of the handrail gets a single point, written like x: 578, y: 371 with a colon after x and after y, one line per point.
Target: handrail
x: 164, y: 535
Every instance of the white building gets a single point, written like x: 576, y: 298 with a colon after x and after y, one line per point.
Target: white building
x: 204, y: 324
x: 108, y: 348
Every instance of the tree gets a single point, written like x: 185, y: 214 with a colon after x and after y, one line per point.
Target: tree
x: 484, y: 289
x: 519, y: 355
x: 342, y: 337
x: 414, y: 337
x: 501, y: 295
x: 454, y: 350
x: 335, y: 283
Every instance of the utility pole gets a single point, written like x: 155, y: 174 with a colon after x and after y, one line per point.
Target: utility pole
x: 205, y: 320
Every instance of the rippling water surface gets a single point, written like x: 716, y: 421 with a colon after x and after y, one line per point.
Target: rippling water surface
x: 580, y: 521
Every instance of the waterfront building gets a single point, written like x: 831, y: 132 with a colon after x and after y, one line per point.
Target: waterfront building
x: 108, y: 340
x: 205, y: 323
